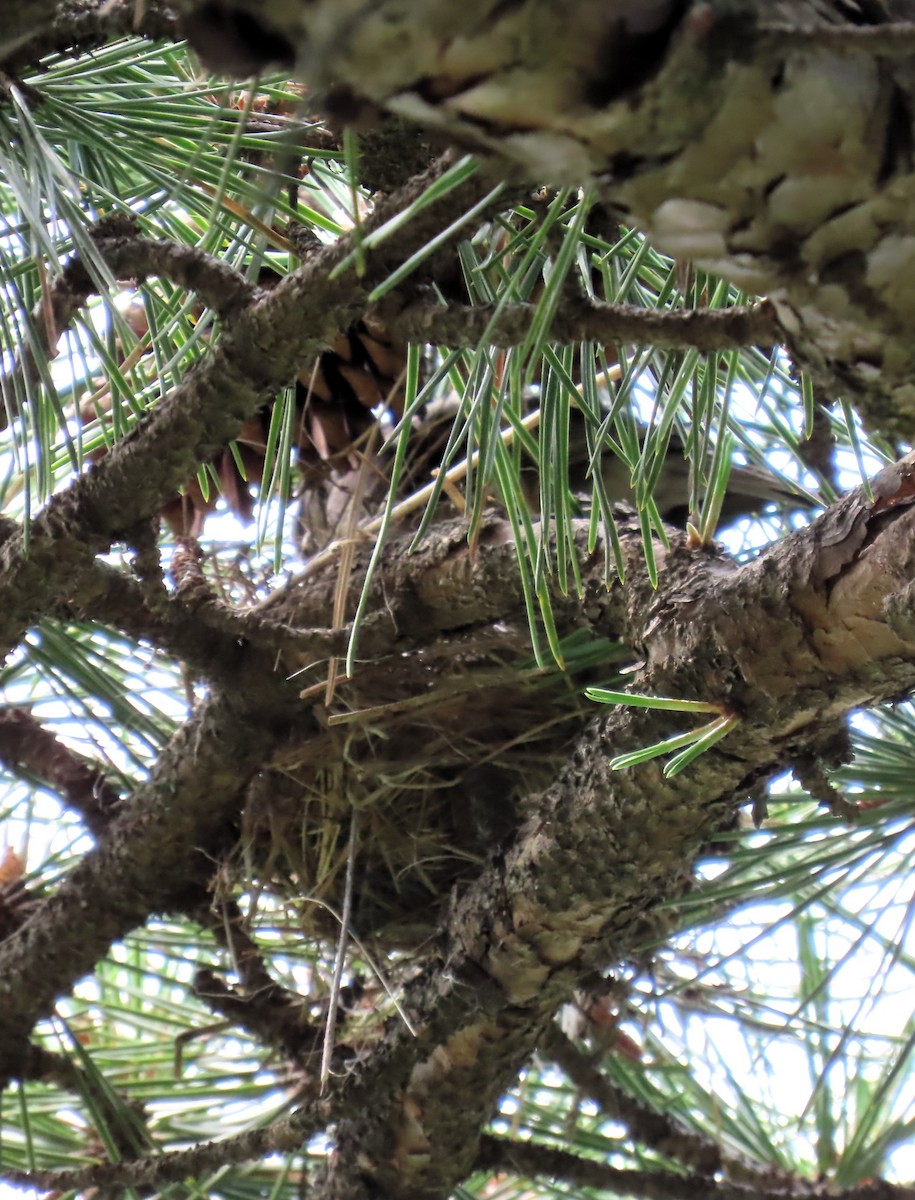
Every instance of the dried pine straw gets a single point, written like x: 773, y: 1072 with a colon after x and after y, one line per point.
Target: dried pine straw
x: 438, y: 751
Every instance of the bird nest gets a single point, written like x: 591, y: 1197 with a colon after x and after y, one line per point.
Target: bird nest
x: 436, y: 763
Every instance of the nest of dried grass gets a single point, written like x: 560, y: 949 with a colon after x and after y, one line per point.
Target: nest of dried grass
x: 439, y: 755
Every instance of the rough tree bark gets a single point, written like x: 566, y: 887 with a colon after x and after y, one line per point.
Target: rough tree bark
x: 772, y: 143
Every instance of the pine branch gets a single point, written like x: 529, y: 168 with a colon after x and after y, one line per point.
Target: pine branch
x: 661, y: 120
x: 78, y: 27
x: 605, y: 846
x: 658, y: 1131
x: 210, y: 638
x: 149, y: 858
x: 572, y: 889
x: 263, y: 349
x: 534, y: 1161
x: 25, y: 745
x: 151, y: 1172
x: 128, y: 256
x: 275, y: 1017
x: 507, y: 325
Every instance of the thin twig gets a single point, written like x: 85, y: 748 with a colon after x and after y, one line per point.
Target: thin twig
x: 342, y: 943
x: 534, y: 1160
